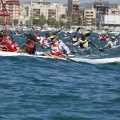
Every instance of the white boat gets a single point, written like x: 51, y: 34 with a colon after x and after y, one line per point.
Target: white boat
x: 72, y: 58
x: 38, y: 54
x: 114, y: 47
x: 97, y: 61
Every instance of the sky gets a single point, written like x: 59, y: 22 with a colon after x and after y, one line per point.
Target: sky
x: 81, y: 1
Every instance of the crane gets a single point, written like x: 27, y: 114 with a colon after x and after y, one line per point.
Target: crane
x: 5, y: 14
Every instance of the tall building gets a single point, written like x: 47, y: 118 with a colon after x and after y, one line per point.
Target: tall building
x: 73, y: 9
x: 13, y: 7
x: 24, y: 13
x: 90, y: 17
x: 102, y: 8
x: 47, y: 9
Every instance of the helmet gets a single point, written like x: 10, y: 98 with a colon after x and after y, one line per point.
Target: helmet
x: 53, y: 35
x: 113, y: 37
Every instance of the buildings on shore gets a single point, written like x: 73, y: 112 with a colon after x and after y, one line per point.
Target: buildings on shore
x: 100, y: 14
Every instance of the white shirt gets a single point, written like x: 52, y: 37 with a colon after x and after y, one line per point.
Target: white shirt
x: 111, y: 44
x: 45, y: 42
x: 80, y: 41
x: 63, y: 47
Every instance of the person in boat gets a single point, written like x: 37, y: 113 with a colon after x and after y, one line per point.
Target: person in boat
x: 57, y: 48
x: 17, y: 33
x: 107, y: 38
x: 45, y: 41
x: 30, y: 45
x: 112, y: 43
x: 65, y: 35
x: 3, y: 38
x: 37, y: 35
x: 11, y: 45
x: 74, y: 39
x: 2, y: 46
x: 101, y: 37
x: 104, y: 38
x: 83, y: 43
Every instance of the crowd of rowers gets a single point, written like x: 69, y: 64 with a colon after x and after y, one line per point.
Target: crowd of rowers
x: 57, y: 48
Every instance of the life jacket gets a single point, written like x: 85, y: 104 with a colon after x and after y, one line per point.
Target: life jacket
x: 84, y: 45
x: 12, y: 47
x: 74, y: 39
x: 55, y: 50
x: 4, y: 42
x: 29, y: 50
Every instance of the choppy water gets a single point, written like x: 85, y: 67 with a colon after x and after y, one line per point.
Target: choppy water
x: 48, y: 89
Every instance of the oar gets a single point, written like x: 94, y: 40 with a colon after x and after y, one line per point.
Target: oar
x: 117, y: 36
x: 100, y: 49
x: 58, y: 30
x: 77, y: 30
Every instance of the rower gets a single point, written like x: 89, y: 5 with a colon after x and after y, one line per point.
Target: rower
x: 11, y: 45
x: 45, y: 41
x: 2, y: 47
x: 113, y: 42
x: 57, y: 48
x: 74, y: 39
x: 83, y: 42
x: 30, y: 45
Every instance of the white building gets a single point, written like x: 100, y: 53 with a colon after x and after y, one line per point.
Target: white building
x: 90, y: 16
x: 48, y: 9
x: 24, y: 13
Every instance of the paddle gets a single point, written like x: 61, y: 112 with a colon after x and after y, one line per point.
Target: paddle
x: 77, y: 30
x: 117, y: 35
x: 58, y: 30
x: 100, y: 49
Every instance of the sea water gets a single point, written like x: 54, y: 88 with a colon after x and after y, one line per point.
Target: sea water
x: 49, y: 89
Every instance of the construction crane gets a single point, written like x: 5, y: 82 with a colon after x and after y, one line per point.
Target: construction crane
x: 5, y: 15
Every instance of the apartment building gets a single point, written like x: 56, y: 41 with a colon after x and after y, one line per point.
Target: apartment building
x: 90, y: 16
x: 48, y: 9
x: 13, y: 7
x: 24, y: 13
x: 73, y: 9
x: 102, y: 8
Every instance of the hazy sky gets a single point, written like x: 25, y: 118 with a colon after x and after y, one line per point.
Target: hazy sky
x: 81, y: 1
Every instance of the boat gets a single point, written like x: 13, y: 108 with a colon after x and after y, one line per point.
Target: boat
x: 37, y: 54
x: 97, y: 61
x: 71, y: 58
x: 114, y: 47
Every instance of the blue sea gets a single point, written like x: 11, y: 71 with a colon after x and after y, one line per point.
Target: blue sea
x: 34, y: 88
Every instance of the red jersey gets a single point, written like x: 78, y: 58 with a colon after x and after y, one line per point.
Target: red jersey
x: 31, y: 50
x: 12, y: 47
